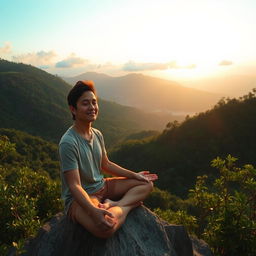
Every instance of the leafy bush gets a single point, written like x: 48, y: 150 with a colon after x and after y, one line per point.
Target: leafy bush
x: 179, y: 217
x: 32, y: 152
x: 171, y: 208
x: 158, y: 199
x: 224, y: 208
x: 164, y: 200
x: 27, y: 199
x: 227, y: 219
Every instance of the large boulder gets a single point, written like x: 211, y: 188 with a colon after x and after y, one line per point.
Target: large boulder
x: 142, y: 234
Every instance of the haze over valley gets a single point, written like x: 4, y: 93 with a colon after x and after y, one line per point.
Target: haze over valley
x: 149, y: 93
x: 230, y: 85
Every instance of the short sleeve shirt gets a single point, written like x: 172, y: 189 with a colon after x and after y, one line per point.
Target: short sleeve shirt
x: 75, y: 152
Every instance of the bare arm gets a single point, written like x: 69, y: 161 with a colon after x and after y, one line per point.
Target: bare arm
x: 72, y: 178
x: 116, y: 170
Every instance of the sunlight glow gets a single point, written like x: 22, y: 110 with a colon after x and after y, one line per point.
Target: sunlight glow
x: 198, y: 33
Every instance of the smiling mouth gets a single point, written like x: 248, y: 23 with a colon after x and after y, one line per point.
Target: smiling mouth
x: 91, y: 114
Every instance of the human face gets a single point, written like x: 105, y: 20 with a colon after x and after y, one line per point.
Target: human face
x: 86, y: 107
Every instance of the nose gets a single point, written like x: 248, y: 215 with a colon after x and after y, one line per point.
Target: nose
x: 91, y: 106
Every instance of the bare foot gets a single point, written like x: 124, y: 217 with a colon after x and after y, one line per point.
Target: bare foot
x: 110, y: 220
x: 107, y: 204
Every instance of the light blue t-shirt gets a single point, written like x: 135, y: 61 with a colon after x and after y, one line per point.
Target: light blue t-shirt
x: 78, y: 153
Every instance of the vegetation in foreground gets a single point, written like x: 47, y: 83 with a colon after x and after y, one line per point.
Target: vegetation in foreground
x: 27, y: 199
x: 221, y: 212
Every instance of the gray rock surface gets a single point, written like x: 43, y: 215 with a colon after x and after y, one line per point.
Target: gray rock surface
x: 143, y: 234
x: 200, y: 247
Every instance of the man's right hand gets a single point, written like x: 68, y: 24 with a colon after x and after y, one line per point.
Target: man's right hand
x: 102, y: 218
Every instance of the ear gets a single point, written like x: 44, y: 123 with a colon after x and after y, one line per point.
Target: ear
x: 72, y: 109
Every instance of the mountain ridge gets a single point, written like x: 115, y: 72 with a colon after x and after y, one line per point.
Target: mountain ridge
x: 185, y: 150
x: 149, y: 93
x: 34, y: 101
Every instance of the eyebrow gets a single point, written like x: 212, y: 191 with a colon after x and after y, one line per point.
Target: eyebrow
x: 87, y: 100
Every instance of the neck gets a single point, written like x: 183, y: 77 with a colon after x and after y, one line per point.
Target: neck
x: 82, y: 128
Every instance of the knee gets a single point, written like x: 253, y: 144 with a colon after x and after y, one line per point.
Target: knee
x: 150, y: 186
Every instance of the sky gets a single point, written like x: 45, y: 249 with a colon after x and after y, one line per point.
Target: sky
x: 173, y: 39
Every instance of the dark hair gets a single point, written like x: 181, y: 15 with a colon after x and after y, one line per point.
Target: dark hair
x: 76, y: 92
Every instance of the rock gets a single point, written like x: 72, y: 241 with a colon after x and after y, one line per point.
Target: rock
x: 143, y: 234
x: 200, y: 247
x: 179, y: 238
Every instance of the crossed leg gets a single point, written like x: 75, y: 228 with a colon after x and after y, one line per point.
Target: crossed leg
x: 127, y: 191
x: 130, y: 193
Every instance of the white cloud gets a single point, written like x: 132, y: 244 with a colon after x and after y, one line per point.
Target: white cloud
x: 74, y: 65
x: 133, y: 66
x: 71, y: 62
x: 6, y: 49
x: 41, y: 59
x: 107, y: 67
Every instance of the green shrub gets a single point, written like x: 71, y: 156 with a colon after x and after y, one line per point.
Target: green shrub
x: 27, y: 199
x: 227, y: 219
x: 178, y: 218
x: 158, y: 199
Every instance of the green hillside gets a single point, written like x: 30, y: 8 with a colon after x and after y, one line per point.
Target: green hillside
x: 34, y: 101
x: 33, y: 152
x: 183, y: 151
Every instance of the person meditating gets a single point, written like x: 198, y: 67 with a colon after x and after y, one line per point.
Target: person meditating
x: 99, y: 204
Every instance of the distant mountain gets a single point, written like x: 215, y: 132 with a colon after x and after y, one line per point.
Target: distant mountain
x: 34, y: 101
x: 149, y: 93
x: 184, y: 151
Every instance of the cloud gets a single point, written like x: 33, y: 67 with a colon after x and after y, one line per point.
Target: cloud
x: 6, y: 49
x: 40, y: 59
x: 71, y: 62
x: 133, y: 66
x: 225, y: 63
